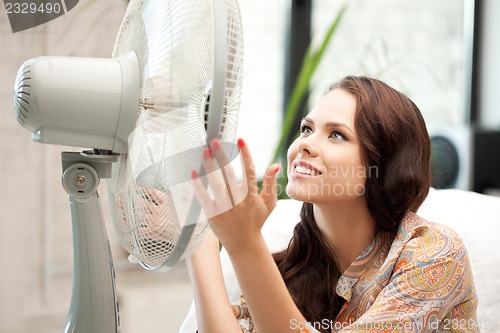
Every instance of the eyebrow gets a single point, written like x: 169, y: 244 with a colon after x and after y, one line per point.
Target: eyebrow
x: 329, y: 124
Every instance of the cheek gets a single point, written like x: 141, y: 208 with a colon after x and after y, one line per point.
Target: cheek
x: 292, y: 152
x: 345, y: 169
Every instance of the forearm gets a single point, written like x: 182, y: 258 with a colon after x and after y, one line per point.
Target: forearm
x: 268, y: 299
x: 213, y: 310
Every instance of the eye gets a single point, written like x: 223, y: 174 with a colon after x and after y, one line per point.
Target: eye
x: 305, y: 129
x: 338, y: 135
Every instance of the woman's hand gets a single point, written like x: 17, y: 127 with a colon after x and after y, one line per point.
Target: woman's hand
x: 237, y: 211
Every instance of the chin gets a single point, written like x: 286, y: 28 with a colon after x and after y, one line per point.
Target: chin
x: 299, y: 194
x: 311, y: 193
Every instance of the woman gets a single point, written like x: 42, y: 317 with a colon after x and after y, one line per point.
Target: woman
x: 360, y: 259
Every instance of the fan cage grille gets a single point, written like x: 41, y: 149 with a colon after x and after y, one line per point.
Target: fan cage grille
x: 149, y: 189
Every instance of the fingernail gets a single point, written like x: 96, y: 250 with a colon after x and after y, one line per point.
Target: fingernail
x: 207, y: 153
x: 215, y: 144
x: 241, y: 143
x: 194, y: 174
x: 278, y: 168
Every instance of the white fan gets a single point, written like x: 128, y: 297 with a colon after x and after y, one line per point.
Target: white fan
x: 172, y: 85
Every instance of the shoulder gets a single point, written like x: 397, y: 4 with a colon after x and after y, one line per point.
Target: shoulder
x: 427, y: 240
x: 432, y: 261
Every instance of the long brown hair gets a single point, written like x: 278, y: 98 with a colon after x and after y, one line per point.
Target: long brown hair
x: 394, y: 140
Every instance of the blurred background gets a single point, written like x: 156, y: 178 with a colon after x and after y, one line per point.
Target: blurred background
x: 442, y: 54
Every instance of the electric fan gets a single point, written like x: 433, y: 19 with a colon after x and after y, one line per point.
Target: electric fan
x: 172, y: 85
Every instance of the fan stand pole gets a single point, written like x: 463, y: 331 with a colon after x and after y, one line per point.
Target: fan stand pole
x: 93, y: 308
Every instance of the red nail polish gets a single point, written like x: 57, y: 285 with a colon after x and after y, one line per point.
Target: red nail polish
x: 207, y: 153
x: 241, y: 143
x: 194, y: 174
x: 215, y: 144
x: 278, y: 168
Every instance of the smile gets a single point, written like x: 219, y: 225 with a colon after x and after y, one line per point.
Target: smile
x: 303, y: 168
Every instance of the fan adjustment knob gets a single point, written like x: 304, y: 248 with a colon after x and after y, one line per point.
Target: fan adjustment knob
x: 80, y: 180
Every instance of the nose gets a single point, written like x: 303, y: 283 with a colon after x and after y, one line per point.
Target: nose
x: 303, y: 146
x: 306, y: 146
x: 304, y: 150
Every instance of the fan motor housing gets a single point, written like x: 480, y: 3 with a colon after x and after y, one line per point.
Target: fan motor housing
x: 82, y: 102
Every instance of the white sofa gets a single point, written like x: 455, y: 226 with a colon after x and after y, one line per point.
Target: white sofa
x: 475, y: 217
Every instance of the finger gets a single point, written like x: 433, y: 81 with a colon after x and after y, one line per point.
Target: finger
x: 227, y: 170
x: 201, y: 193
x: 248, y: 168
x: 269, y: 193
x: 221, y: 155
x: 211, y: 173
x: 208, y: 164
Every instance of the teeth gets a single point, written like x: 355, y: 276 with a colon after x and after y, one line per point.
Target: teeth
x: 304, y: 170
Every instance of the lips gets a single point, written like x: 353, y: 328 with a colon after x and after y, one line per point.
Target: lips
x: 304, y: 168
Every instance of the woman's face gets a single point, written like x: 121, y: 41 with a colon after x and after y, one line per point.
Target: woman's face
x: 324, y: 162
